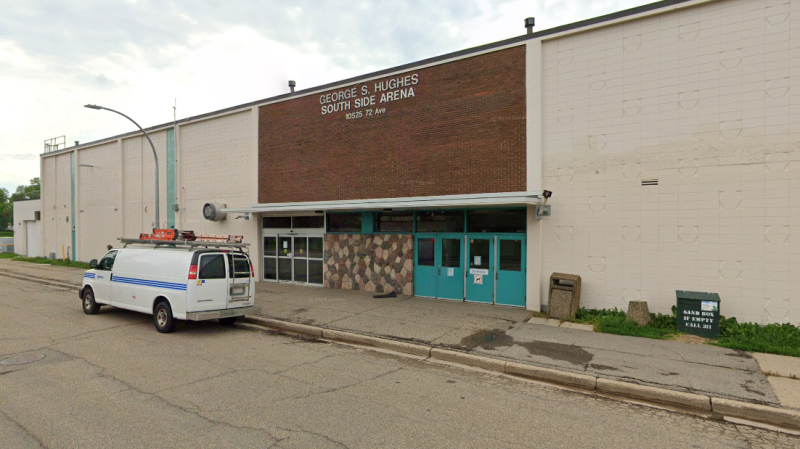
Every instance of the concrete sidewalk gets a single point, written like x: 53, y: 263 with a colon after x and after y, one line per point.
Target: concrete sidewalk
x: 502, y: 333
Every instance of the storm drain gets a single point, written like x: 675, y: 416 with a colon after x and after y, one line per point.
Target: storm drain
x: 22, y: 360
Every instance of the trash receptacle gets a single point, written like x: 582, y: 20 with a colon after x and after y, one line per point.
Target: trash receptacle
x: 565, y: 295
x: 698, y: 313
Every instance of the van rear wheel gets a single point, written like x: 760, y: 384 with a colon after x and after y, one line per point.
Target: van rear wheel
x: 228, y: 321
x: 162, y: 318
x: 90, y: 306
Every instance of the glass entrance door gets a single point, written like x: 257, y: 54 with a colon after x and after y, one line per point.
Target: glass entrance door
x: 270, y: 257
x: 285, y: 253
x: 480, y: 263
x: 293, y: 258
x: 307, y: 259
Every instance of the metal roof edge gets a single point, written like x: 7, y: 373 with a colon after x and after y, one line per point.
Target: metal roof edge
x: 403, y: 67
x: 531, y: 197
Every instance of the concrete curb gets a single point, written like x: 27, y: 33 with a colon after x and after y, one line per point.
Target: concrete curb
x: 469, y: 359
x: 661, y: 395
x: 551, y: 375
x: 382, y: 343
x: 755, y: 412
x: 39, y: 280
x: 658, y: 396
x: 285, y: 325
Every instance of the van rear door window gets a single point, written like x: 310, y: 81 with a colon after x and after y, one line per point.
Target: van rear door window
x: 238, y: 267
x: 212, y: 266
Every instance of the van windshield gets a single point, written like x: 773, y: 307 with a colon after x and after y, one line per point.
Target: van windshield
x: 238, y: 266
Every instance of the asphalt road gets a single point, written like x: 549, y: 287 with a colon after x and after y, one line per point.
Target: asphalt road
x: 111, y: 380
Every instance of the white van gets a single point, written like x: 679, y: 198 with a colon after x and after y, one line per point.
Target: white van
x: 172, y: 283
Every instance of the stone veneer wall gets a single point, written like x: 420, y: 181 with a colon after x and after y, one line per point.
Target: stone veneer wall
x: 370, y: 262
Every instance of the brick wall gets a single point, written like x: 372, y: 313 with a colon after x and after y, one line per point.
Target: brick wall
x: 462, y: 132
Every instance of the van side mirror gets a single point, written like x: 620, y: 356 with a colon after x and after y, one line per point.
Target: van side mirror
x: 93, y: 263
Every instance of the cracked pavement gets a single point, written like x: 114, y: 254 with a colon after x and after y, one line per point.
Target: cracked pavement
x: 111, y: 380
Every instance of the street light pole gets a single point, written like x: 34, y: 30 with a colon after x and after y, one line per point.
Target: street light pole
x: 155, y: 156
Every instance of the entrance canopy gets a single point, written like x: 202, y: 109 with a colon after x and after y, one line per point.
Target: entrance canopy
x: 505, y: 199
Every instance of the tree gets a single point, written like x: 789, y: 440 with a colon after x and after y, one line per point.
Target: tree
x: 29, y: 192
x: 6, y: 210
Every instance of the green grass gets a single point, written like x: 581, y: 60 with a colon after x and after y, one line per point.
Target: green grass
x: 783, y: 339
x: 613, y: 321
x: 6, y: 233
x: 42, y: 260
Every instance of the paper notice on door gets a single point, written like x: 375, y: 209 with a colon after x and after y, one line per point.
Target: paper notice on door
x: 478, y: 279
x: 477, y: 260
x: 285, y: 244
x: 450, y: 272
x: 482, y: 271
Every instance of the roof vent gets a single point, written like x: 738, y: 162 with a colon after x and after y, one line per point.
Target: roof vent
x: 77, y: 143
x: 529, y: 22
x: 291, y: 86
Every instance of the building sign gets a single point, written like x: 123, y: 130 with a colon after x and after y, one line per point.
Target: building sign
x: 367, y: 100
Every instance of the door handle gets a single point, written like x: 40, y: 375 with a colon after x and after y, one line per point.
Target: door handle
x: 440, y: 271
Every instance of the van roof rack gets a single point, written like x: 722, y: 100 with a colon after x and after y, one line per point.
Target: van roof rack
x: 188, y: 244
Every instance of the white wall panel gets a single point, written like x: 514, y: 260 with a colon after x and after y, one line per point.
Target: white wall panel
x: 706, y: 100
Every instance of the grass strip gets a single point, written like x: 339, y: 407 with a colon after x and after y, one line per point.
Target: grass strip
x: 782, y: 339
x: 44, y: 261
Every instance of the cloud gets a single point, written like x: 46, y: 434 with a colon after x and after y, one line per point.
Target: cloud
x: 19, y: 156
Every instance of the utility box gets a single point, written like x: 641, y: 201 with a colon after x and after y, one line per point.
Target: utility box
x: 698, y: 313
x: 565, y: 296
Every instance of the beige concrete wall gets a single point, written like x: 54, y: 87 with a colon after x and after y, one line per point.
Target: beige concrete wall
x: 99, y: 200
x: 48, y: 187
x: 217, y: 161
x: 139, y: 183
x: 25, y: 211
x: 62, y: 208
x: 705, y: 100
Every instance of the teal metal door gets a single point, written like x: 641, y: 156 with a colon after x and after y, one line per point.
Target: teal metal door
x: 426, y: 271
x: 480, y: 275
x: 450, y: 261
x: 510, y: 276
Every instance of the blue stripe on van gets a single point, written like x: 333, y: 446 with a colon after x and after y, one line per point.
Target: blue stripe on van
x: 147, y: 283
x: 88, y: 275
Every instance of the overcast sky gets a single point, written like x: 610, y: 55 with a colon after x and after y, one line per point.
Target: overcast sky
x: 138, y: 56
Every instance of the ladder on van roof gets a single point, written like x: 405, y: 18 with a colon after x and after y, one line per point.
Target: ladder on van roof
x: 187, y: 244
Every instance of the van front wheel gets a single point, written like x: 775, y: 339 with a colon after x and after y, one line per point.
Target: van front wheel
x: 162, y: 318
x: 90, y: 306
